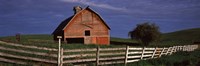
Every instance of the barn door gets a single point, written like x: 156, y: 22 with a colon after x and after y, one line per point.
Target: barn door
x: 88, y: 40
x: 87, y: 37
x: 102, y: 40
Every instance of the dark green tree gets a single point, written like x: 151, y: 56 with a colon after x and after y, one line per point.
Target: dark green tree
x: 145, y: 33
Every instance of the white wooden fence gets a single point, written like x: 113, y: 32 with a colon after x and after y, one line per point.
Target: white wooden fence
x: 126, y: 55
x: 6, y: 56
x: 98, y: 56
x: 136, y: 54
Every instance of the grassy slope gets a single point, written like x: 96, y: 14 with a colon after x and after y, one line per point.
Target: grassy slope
x: 189, y: 34
x: 181, y: 37
x: 174, y: 38
x: 168, y: 39
x: 46, y: 40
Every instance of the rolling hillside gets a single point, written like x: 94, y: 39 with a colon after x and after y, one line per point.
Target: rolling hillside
x: 181, y: 37
x: 168, y: 39
x: 189, y: 34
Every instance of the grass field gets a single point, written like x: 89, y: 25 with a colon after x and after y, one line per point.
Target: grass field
x: 181, y: 37
x: 169, y: 39
x: 189, y: 34
x: 47, y: 41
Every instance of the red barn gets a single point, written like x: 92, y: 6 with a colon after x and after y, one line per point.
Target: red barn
x: 85, y: 26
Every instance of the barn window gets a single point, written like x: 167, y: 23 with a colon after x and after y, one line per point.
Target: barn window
x: 87, y: 33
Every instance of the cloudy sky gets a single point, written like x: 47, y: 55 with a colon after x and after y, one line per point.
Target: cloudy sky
x: 43, y: 16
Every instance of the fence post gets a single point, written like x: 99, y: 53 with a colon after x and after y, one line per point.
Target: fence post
x: 126, y: 55
x: 168, y: 50
x: 59, y: 43
x: 180, y: 48
x: 142, y: 53
x: 162, y: 52
x: 97, y: 56
x: 172, y: 50
x: 189, y: 47
x: 184, y: 48
x: 61, y: 57
x: 175, y: 48
x: 154, y: 53
x: 193, y: 47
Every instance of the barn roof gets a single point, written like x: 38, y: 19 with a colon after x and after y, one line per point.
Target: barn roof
x: 65, y: 23
x: 99, y: 17
x: 62, y: 25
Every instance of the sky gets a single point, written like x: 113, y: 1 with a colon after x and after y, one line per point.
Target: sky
x: 43, y: 16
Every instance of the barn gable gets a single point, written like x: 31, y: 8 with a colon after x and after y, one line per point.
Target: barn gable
x: 87, y: 8
x: 85, y: 26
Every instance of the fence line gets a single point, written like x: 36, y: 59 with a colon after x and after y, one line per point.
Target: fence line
x: 100, y: 56
x: 12, y: 61
x: 120, y: 55
x: 28, y: 52
x: 15, y: 56
x: 26, y: 46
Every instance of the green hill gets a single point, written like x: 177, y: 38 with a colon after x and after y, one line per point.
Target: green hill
x: 181, y: 37
x: 43, y: 40
x: 168, y: 39
x: 189, y: 34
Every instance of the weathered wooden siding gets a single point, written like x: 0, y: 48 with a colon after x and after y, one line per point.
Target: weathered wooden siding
x: 103, y: 40
x: 88, y: 20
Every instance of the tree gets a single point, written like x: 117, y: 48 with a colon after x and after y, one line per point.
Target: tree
x: 145, y: 33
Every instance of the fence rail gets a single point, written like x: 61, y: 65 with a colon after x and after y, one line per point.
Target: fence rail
x: 120, y: 55
x: 98, y: 55
x: 19, y: 59
x: 31, y: 47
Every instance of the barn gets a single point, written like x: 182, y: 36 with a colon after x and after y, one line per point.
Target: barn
x: 84, y: 26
